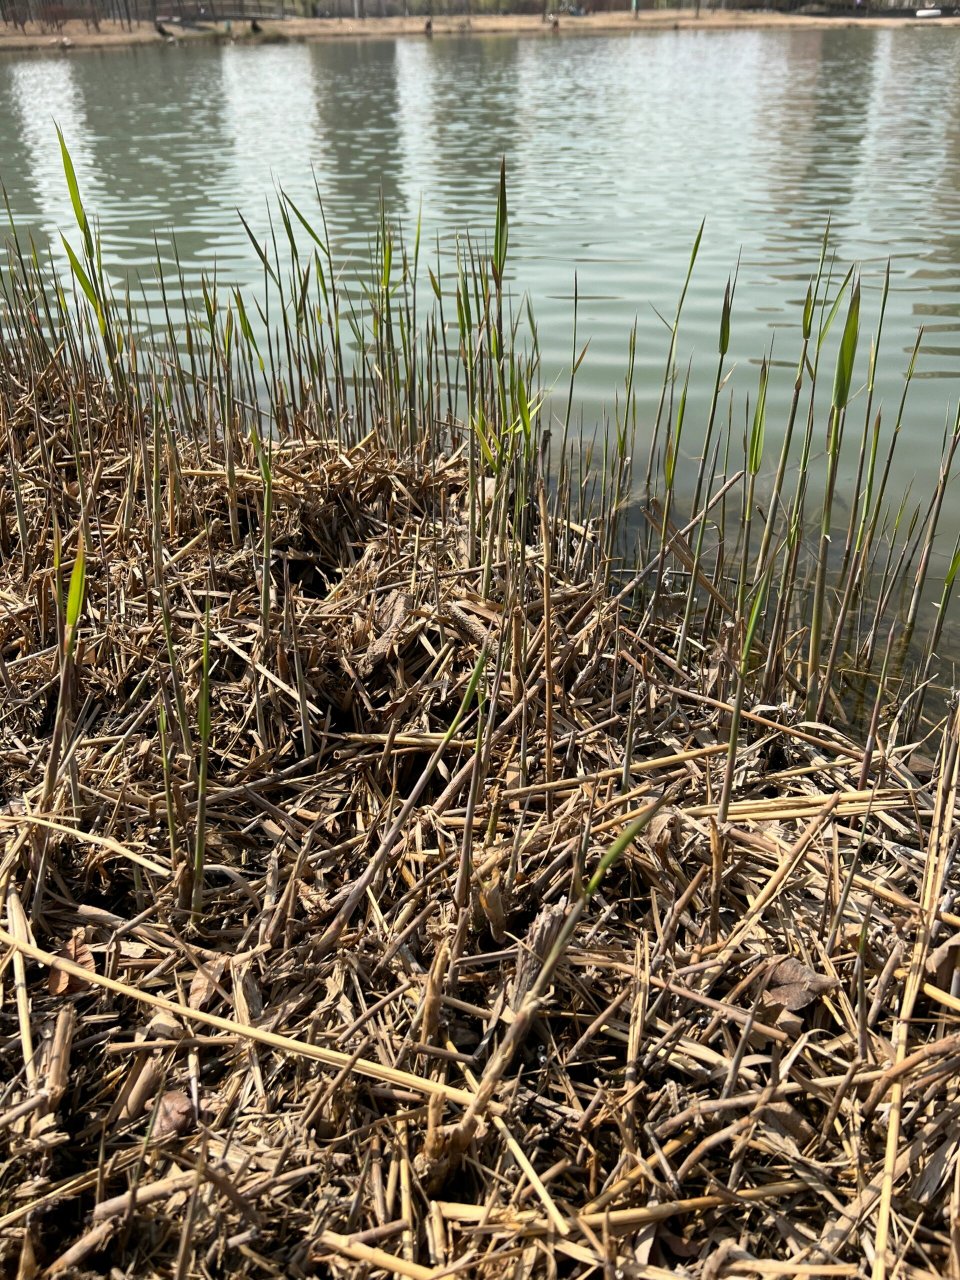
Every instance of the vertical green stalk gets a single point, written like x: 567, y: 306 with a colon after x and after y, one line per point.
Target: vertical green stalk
x: 203, y: 732
x: 756, y: 612
x: 89, y: 275
x: 754, y: 459
x: 168, y: 789
x: 75, y: 599
x: 668, y: 373
x: 723, y: 346
x: 671, y: 452
x: 841, y: 395
x: 266, y: 471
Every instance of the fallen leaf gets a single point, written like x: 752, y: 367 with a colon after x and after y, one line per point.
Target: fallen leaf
x: 935, y: 1171
x: 133, y: 950
x: 29, y: 1267
x: 205, y: 982
x: 536, y: 947
x: 162, y: 1026
x: 790, y: 1023
x: 787, y: 1120
x: 60, y: 983
x: 491, y: 902
x: 942, y: 953
x: 663, y: 831
x: 174, y: 1114
x: 247, y: 998
x: 395, y: 612
x: 793, y: 985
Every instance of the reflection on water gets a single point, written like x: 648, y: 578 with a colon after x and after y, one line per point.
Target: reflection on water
x: 616, y: 149
x: 52, y: 87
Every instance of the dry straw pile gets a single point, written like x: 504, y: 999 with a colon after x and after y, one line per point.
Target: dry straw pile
x: 392, y: 886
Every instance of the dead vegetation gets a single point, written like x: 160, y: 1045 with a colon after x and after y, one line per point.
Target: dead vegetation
x: 746, y: 1028
x: 394, y: 885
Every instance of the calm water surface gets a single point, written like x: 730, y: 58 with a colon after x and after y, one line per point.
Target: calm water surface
x: 616, y: 149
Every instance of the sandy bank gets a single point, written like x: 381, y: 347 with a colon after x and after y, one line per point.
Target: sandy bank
x: 76, y: 35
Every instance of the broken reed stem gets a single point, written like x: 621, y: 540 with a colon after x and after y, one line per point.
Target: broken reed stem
x: 328, y: 1057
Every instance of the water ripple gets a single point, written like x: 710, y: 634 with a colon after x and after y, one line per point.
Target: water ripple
x: 616, y: 149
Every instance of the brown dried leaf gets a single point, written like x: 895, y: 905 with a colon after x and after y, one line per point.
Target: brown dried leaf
x: 247, y: 998
x: 776, y: 831
x: 790, y: 1023
x: 792, y: 985
x: 314, y: 901
x: 941, y: 954
x: 714, y: 669
x: 935, y: 1171
x: 29, y: 1267
x: 536, y: 947
x: 60, y: 983
x: 131, y: 950
x: 205, y: 982
x: 491, y: 903
x: 663, y: 831
x: 787, y: 1120
x: 174, y: 1114
x: 162, y: 1026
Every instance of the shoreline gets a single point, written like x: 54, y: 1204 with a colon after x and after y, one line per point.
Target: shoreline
x: 75, y: 35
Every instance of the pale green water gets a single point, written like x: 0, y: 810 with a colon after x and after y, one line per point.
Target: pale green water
x: 616, y: 148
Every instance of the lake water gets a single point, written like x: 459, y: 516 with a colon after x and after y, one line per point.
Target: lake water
x: 616, y: 148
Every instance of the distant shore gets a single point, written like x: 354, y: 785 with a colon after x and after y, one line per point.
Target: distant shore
x: 76, y: 35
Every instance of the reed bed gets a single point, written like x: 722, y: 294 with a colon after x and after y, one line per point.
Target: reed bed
x: 412, y: 868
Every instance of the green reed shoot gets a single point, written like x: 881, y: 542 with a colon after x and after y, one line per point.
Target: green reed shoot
x: 71, y: 624
x: 743, y: 670
x: 203, y: 735
x: 843, y: 379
